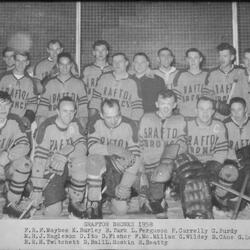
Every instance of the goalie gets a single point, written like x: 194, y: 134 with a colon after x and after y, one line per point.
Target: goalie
x: 60, y: 152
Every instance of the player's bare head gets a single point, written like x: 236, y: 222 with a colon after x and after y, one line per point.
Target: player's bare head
x: 205, y: 109
x: 5, y: 105
x: 165, y: 57
x: 64, y: 62
x: 227, y: 54
x: 66, y: 110
x: 120, y: 63
x: 22, y: 60
x: 100, y: 50
x: 166, y: 102
x: 246, y: 58
x: 111, y: 113
x: 8, y: 56
x: 141, y: 62
x: 54, y: 47
x: 194, y: 57
x: 238, y: 108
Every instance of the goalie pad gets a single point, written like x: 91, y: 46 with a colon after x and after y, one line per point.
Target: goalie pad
x: 163, y: 172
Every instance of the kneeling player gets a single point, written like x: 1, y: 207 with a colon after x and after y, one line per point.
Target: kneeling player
x: 60, y: 151
x: 14, y: 146
x: 113, y: 151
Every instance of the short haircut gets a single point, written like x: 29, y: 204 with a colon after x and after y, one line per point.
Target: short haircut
x: 54, y: 41
x: 238, y: 100
x: 110, y: 103
x: 22, y: 53
x: 226, y: 46
x: 99, y: 43
x: 247, y: 50
x: 5, y: 97
x: 194, y: 50
x: 120, y: 54
x: 205, y: 98
x: 64, y: 54
x: 7, y: 49
x: 141, y: 54
x: 66, y: 99
x: 165, y: 49
x: 167, y: 93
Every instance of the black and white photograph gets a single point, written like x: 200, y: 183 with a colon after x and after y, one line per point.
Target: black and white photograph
x: 124, y: 125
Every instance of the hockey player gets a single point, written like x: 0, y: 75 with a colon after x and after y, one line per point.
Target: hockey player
x: 64, y: 84
x: 114, y: 150
x: 207, y: 137
x: 246, y: 60
x: 93, y: 72
x: 14, y: 166
x: 52, y: 164
x: 238, y: 126
x: 120, y: 86
x: 188, y: 83
x: 148, y: 83
x: 8, y: 58
x: 158, y: 130
x: 47, y: 67
x: 166, y: 70
x: 21, y: 88
x: 226, y: 81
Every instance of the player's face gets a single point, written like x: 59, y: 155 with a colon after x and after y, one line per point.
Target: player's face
x: 166, y: 106
x: 9, y: 58
x: 111, y: 116
x: 119, y: 64
x: 54, y: 50
x: 64, y: 65
x: 100, y: 52
x: 140, y: 64
x: 205, y: 111
x: 247, y: 60
x: 66, y: 112
x: 4, y: 110
x: 225, y: 58
x: 21, y: 62
x: 194, y: 59
x: 238, y: 111
x: 165, y: 58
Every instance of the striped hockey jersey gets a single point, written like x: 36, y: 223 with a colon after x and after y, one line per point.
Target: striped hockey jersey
x: 13, y: 138
x: 207, y: 142
x: 124, y: 90
x: 55, y: 89
x: 238, y: 136
x: 125, y: 135
x: 167, y: 76
x: 187, y: 87
x: 47, y: 68
x: 22, y: 91
x: 155, y: 132
x: 91, y: 74
x: 50, y: 138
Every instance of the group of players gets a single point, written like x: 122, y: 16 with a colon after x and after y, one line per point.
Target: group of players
x: 113, y: 131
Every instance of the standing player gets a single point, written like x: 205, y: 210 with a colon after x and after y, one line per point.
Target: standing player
x: 246, y: 60
x: 52, y: 164
x: 238, y: 126
x: 64, y: 84
x: 115, y: 138
x: 93, y: 72
x: 47, y: 67
x: 207, y: 137
x: 227, y: 80
x: 166, y: 69
x: 157, y: 130
x: 21, y: 88
x: 13, y: 150
x: 188, y: 83
x: 120, y: 86
x: 148, y: 83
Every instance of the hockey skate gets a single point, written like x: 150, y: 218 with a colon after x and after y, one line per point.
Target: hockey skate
x: 76, y: 210
x: 94, y: 210
x: 157, y: 207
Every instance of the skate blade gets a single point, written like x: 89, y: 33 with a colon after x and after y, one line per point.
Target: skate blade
x: 73, y: 217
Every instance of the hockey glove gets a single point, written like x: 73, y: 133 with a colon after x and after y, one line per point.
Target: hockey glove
x: 58, y: 162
